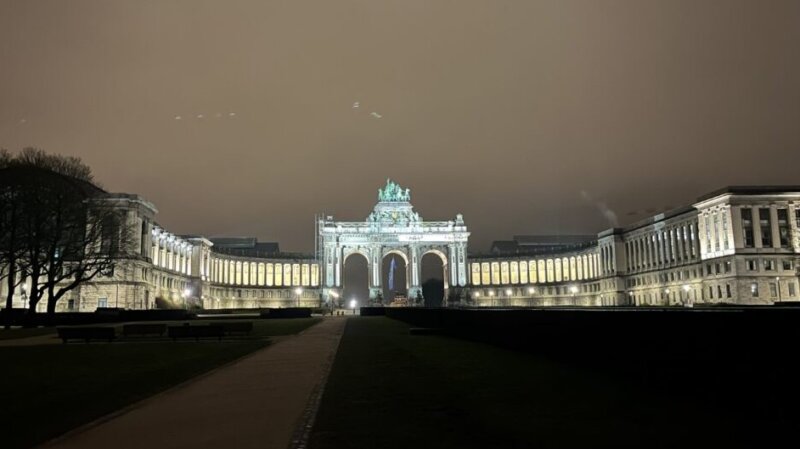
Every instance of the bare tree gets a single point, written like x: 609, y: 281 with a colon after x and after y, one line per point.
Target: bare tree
x: 65, y: 231
x: 92, y: 243
x: 10, y: 249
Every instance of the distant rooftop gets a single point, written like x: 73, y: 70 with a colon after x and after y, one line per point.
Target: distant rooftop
x: 536, y: 244
x: 751, y: 190
x: 245, y: 246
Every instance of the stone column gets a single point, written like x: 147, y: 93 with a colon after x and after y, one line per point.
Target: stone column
x: 773, y: 221
x: 756, y: 228
x: 414, y: 270
x: 374, y: 268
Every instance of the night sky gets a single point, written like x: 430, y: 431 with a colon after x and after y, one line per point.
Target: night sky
x: 526, y: 116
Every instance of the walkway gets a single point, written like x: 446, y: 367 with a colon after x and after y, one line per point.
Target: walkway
x: 257, y: 402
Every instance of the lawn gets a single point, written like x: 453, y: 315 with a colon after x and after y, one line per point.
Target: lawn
x: 261, y: 328
x: 50, y: 389
x: 388, y: 389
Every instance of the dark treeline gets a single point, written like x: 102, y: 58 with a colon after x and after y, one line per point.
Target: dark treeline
x: 56, y: 229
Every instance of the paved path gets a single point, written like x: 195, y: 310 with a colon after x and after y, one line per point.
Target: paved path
x: 257, y: 402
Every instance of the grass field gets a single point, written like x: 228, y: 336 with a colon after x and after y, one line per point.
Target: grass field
x: 50, y: 389
x: 388, y: 389
x: 261, y: 328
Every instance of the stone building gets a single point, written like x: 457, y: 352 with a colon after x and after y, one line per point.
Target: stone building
x: 737, y: 245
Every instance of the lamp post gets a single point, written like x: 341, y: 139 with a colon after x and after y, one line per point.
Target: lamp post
x: 186, y: 293
x: 332, y: 297
x: 688, y: 301
x: 353, y: 304
x: 491, y: 295
x: 778, y: 287
x: 297, y: 292
x: 531, y: 292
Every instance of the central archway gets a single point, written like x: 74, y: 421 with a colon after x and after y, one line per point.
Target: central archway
x: 392, y: 228
x: 394, y: 276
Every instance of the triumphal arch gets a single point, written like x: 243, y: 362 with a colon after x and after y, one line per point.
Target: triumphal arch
x: 392, y: 228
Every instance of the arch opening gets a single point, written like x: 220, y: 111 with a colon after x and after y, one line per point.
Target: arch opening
x: 433, y: 278
x: 394, y: 278
x: 355, y: 280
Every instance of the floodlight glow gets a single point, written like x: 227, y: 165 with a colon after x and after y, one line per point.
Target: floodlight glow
x: 353, y: 303
x: 298, y: 291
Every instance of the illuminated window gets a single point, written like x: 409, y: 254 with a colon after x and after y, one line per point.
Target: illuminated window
x: 573, y: 270
x: 238, y: 266
x: 314, y: 274
x: 766, y: 227
x: 246, y: 273
x: 261, y: 273
x: 504, y: 272
x: 296, y: 274
x: 783, y: 227
x: 287, y: 274
x: 476, y: 273
x: 523, y: 272
x: 579, y: 271
x: 495, y: 273
x: 514, y: 272
x: 270, y: 275
x: 542, y: 271
x: 550, y: 274
x: 485, y: 274
x: 306, y: 275
x: 278, y: 274
x: 532, y: 271
x: 557, y: 270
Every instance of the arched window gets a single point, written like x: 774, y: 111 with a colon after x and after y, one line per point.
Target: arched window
x: 485, y: 274
x: 514, y: 272
x: 475, y: 273
x: 278, y: 274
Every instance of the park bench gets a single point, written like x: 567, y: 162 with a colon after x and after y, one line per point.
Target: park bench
x: 196, y: 332
x: 86, y: 333
x: 138, y: 330
x: 237, y: 327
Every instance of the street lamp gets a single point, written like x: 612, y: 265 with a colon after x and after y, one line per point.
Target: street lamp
x: 187, y: 292
x: 332, y: 297
x: 686, y: 289
x: 353, y: 304
x: 298, y: 291
x: 778, y: 287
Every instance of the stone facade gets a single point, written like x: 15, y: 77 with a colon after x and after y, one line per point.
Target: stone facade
x: 738, y: 245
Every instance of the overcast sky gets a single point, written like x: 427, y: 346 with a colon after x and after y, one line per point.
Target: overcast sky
x: 526, y: 116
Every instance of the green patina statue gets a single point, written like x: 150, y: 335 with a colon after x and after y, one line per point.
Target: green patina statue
x: 393, y: 192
